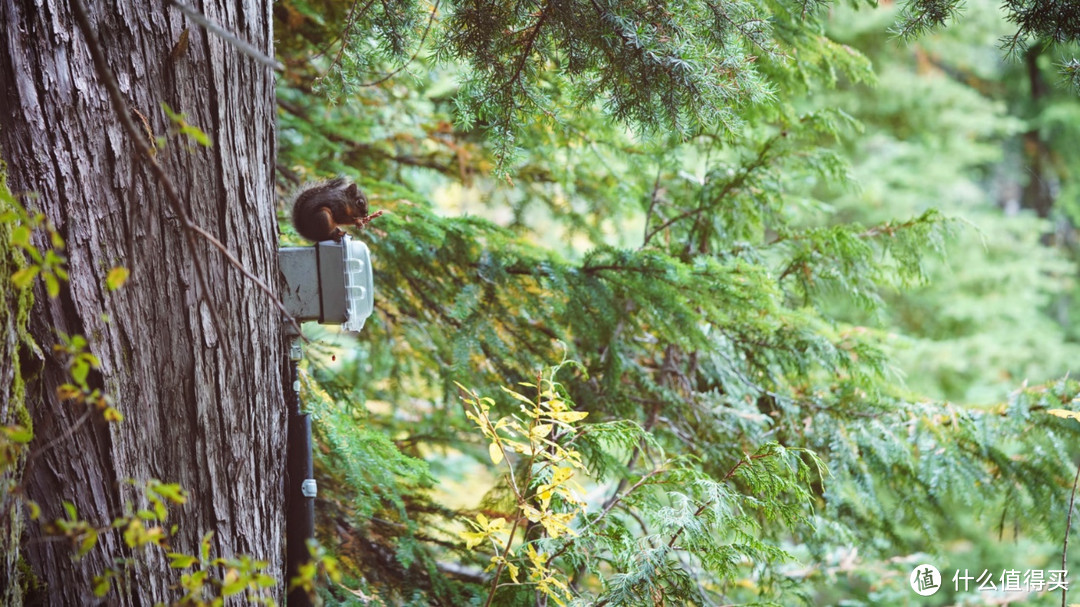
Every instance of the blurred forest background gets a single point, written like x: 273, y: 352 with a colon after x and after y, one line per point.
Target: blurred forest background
x: 818, y: 265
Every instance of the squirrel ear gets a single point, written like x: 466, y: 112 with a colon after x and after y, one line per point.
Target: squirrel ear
x: 351, y: 191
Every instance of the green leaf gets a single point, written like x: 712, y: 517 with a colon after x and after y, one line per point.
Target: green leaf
x: 20, y: 236
x: 173, y: 116
x: 80, y: 369
x: 171, y: 491
x: 102, y: 584
x: 178, y: 560
x: 133, y: 532
x: 88, y: 542
x: 235, y: 587
x: 52, y: 285
x: 18, y: 434
x: 197, y: 134
x: 25, y: 276
x: 265, y: 581
x: 204, y: 546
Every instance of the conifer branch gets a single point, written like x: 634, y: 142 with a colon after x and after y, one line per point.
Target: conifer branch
x: 346, y: 33
x: 419, y: 48
x: 530, y: 43
x: 759, y: 161
x: 701, y: 509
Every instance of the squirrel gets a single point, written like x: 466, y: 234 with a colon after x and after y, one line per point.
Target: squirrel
x: 323, y: 207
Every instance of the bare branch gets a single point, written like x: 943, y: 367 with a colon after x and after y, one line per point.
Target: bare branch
x: 228, y: 36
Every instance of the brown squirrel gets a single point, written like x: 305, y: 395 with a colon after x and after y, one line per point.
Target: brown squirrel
x: 323, y: 207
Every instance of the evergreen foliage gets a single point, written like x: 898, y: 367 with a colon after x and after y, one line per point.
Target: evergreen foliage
x: 1038, y: 24
x: 707, y: 207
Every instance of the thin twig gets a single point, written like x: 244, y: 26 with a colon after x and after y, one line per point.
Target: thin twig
x: 259, y: 283
x: 1065, y: 544
x: 228, y: 36
x: 366, y: 147
x: 36, y: 453
x: 652, y: 204
x: 517, y: 519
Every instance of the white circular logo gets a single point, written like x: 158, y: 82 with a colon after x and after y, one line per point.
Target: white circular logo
x: 925, y: 580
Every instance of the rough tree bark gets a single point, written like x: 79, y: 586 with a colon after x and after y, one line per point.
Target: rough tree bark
x: 203, y: 403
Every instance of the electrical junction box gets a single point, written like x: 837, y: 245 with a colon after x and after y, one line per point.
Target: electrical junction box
x: 330, y: 282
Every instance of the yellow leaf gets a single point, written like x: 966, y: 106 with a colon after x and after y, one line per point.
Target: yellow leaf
x: 545, y: 496
x: 116, y: 278
x: 1065, y: 413
x: 516, y: 395
x: 472, y: 538
x: 530, y: 513
x: 538, y: 559
x: 540, y: 430
x: 513, y: 571
x: 561, y: 475
x: 556, y: 523
x: 234, y: 584
x: 153, y: 534
x: 496, y: 453
x: 67, y: 392
x: 569, y: 417
x: 112, y: 415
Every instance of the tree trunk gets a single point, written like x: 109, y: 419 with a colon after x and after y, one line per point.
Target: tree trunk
x: 202, y: 402
x: 1041, y: 189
